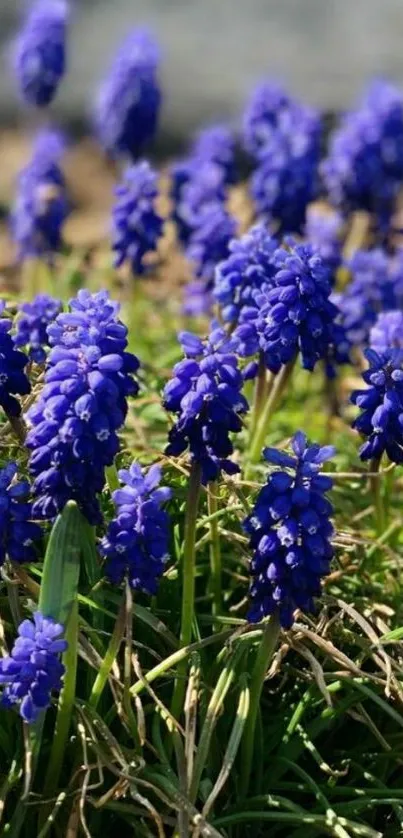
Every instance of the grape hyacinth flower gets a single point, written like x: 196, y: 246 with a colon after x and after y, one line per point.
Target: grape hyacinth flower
x: 128, y: 103
x: 295, y: 315
x: 387, y: 332
x: 13, y: 380
x: 268, y: 112
x: 39, y: 54
x: 17, y: 531
x: 216, y: 144
x: 323, y: 230
x: 208, y: 245
x: 32, y: 323
x: 41, y: 204
x: 381, y: 406
x: 33, y: 670
x: 205, y: 393
x: 136, y: 544
x: 136, y: 226
x: 364, y: 167
x: 74, y: 422
x: 290, y: 533
x: 203, y: 192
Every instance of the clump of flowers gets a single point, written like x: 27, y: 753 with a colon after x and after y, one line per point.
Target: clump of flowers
x: 74, y: 422
x: 32, y: 323
x: 13, y: 379
x: 208, y: 245
x: 216, y: 144
x: 323, y: 230
x: 39, y: 54
x: 205, y: 394
x: 290, y: 533
x: 41, y: 204
x: 17, y: 531
x: 381, y: 406
x: 136, y: 225
x: 268, y: 112
x: 33, y: 670
x: 387, y: 332
x: 364, y: 168
x: 136, y: 544
x: 295, y: 315
x: 128, y: 103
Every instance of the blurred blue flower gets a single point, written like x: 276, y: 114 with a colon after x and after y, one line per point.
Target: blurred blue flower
x: 136, y: 544
x: 13, y: 380
x: 323, y: 230
x: 136, y: 226
x: 33, y: 669
x: 31, y: 325
x: 387, y: 332
x: 290, y: 533
x: 39, y: 54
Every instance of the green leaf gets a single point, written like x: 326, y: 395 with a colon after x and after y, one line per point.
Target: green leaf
x: 61, y: 568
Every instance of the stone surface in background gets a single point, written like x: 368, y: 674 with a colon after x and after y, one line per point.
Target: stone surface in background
x: 214, y: 50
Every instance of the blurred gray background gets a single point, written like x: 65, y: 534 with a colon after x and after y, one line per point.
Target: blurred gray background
x: 214, y: 51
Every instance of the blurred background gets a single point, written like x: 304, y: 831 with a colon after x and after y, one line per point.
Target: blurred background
x: 214, y: 51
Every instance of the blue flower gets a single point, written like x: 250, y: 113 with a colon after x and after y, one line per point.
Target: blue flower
x: 129, y: 99
x: 208, y: 245
x: 17, y: 532
x: 33, y: 669
x: 137, y: 541
x: 136, y: 226
x: 268, y: 112
x: 205, y: 393
x: 31, y: 325
x: 376, y: 286
x: 216, y: 144
x: 323, y: 230
x: 39, y: 54
x: 13, y: 380
x: 74, y: 422
x: 290, y: 533
x: 295, y: 315
x: 364, y: 167
x: 381, y: 406
x: 247, y: 271
x: 41, y: 205
x: 201, y: 192
x: 387, y: 332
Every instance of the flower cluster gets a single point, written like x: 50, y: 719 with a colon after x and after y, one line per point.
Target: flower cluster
x: 33, y: 670
x: 41, y: 205
x: 205, y: 393
x: 32, y: 323
x: 268, y: 112
x: 129, y: 99
x: 137, y: 541
x: 376, y: 286
x: 136, y: 226
x: 381, y: 406
x: 75, y: 420
x: 364, y: 168
x: 295, y: 314
x: 208, y: 245
x: 387, y: 332
x: 17, y: 532
x: 13, y: 380
x: 323, y: 230
x: 216, y: 143
x: 290, y: 533
x: 39, y: 54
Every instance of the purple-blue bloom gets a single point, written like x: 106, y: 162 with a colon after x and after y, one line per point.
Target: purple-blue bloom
x: 387, y: 332
x: 41, y: 204
x: 136, y: 226
x: 205, y: 393
x: 216, y: 144
x: 208, y: 245
x: 39, y: 54
x: 268, y: 112
x: 364, y: 167
x: 290, y: 533
x: 74, y: 422
x: 295, y: 314
x: 128, y: 102
x: 323, y: 230
x: 136, y: 544
x: 32, y: 323
x: 17, y: 531
x: 13, y: 380
x: 33, y: 670
x: 381, y: 406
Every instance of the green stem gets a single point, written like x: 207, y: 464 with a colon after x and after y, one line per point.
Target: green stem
x: 131, y: 720
x: 64, y: 712
x: 112, y: 478
x: 265, y: 652
x: 215, y: 550
x: 262, y: 390
x: 279, y: 385
x: 188, y: 585
x: 375, y: 482
x: 109, y: 658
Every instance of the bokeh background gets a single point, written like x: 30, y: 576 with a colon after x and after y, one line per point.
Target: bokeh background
x: 214, y: 50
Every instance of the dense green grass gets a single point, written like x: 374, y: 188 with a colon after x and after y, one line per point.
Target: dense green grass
x: 328, y: 749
